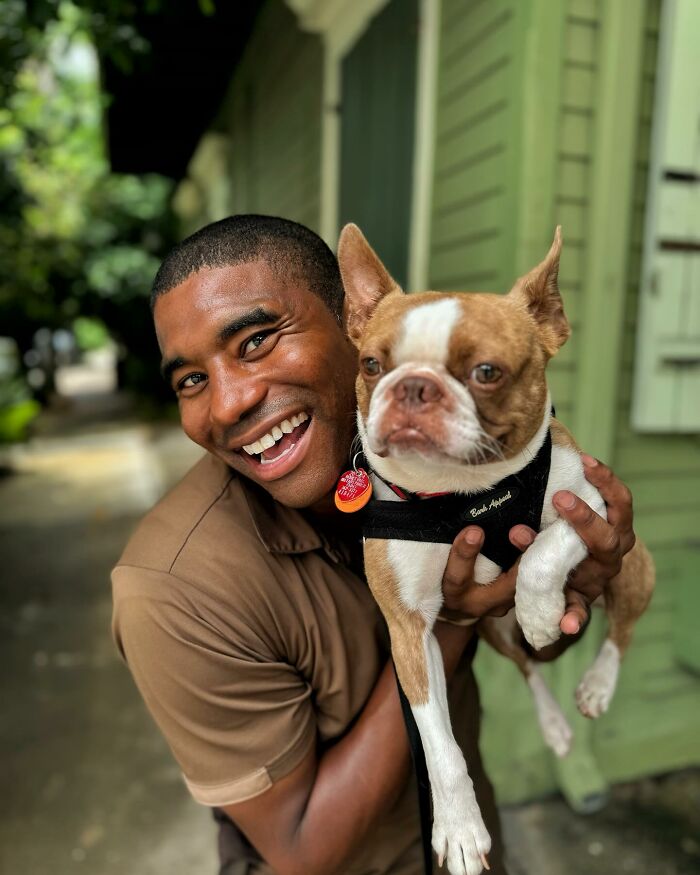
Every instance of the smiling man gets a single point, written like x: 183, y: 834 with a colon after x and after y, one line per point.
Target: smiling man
x: 239, y: 602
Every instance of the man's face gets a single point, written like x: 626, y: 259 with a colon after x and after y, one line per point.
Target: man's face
x: 255, y: 359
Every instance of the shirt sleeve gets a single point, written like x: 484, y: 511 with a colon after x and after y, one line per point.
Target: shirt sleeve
x: 235, y: 715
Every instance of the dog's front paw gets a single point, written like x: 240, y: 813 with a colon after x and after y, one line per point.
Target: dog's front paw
x: 539, y: 615
x: 460, y: 837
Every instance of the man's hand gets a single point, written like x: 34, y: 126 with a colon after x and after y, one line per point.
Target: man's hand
x: 607, y: 543
x: 464, y: 597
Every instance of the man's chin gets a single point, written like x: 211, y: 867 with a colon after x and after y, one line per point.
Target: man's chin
x: 300, y: 491
x: 310, y: 484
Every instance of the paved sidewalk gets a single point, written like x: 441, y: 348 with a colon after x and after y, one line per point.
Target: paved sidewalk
x: 88, y: 784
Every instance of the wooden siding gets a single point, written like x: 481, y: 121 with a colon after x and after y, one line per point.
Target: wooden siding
x: 663, y: 472
x: 273, y: 117
x: 573, y: 182
x: 653, y: 721
x: 475, y: 152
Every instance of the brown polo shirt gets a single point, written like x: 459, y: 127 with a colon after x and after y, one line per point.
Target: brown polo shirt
x: 251, y: 640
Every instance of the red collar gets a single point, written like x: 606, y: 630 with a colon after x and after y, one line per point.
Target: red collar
x: 406, y: 496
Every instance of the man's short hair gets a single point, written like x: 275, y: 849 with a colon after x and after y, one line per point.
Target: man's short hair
x: 293, y: 251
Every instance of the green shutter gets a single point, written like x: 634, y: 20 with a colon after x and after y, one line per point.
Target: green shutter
x: 667, y: 378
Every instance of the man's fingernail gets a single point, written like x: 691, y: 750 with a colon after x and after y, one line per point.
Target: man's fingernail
x: 588, y: 461
x: 570, y: 624
x: 567, y: 500
x: 473, y: 536
x: 524, y: 539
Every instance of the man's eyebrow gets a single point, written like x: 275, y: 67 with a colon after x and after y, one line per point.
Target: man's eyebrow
x: 168, y: 367
x: 258, y: 316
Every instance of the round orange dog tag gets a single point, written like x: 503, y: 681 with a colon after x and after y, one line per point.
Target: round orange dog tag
x: 353, y: 491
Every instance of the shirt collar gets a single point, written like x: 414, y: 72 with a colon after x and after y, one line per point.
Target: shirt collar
x: 284, y: 529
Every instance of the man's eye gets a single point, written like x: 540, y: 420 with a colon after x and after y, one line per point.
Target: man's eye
x: 254, y: 342
x: 191, y: 380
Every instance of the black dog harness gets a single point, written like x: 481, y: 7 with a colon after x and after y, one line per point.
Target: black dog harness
x: 518, y: 498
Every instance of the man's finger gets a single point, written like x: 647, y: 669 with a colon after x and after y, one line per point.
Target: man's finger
x: 522, y: 536
x: 589, y: 579
x: 494, y: 599
x: 576, y: 615
x: 459, y: 570
x: 615, y: 494
x: 597, y: 534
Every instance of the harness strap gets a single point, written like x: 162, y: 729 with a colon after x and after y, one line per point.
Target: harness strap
x: 422, y: 780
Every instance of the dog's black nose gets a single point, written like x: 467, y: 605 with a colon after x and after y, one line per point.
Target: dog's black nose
x: 415, y: 391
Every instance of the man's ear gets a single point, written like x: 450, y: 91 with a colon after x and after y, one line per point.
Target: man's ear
x: 365, y: 279
x: 538, y: 292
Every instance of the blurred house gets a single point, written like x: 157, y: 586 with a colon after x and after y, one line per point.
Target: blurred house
x: 457, y: 134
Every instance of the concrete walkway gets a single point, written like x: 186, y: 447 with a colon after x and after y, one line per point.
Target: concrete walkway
x: 87, y: 783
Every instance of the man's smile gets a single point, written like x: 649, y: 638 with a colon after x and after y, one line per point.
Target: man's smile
x: 266, y: 443
x: 271, y: 457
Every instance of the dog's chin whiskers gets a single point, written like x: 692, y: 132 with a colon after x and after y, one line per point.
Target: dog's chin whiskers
x: 486, y: 449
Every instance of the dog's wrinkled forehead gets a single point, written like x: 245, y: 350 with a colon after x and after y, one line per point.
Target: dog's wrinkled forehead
x: 425, y: 331
x: 446, y: 329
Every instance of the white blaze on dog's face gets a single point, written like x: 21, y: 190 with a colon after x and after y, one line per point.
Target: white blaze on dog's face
x: 455, y: 377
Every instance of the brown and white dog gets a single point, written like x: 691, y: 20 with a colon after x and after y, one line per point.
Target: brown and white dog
x: 452, y: 397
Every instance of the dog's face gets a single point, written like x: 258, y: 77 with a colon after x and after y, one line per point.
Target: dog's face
x: 452, y: 378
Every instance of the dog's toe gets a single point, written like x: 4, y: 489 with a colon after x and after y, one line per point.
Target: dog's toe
x: 594, y: 693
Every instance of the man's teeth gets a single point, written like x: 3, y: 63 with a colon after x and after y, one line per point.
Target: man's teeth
x: 270, y: 439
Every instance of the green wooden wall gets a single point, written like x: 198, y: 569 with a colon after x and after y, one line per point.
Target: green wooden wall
x: 270, y: 123
x: 543, y: 115
x: 519, y: 147
x: 475, y: 152
x: 663, y: 472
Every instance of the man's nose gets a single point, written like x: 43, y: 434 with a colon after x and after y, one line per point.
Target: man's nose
x: 232, y: 396
x: 417, y: 391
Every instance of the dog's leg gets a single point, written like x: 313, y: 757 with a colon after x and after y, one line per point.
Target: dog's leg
x: 626, y: 599
x: 406, y: 580
x: 503, y: 634
x: 539, y: 590
x: 557, y: 549
x: 555, y: 552
x: 459, y: 833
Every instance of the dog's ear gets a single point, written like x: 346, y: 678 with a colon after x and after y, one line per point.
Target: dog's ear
x: 365, y: 279
x: 538, y: 292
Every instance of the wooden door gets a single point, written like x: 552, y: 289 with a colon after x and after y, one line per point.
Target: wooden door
x: 377, y: 133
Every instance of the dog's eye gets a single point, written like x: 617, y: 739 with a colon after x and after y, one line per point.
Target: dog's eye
x: 371, y: 367
x: 486, y: 373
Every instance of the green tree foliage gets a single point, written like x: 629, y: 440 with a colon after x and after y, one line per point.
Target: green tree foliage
x: 75, y: 239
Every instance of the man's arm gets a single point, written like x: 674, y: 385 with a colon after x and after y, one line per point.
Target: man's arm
x: 314, y: 818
